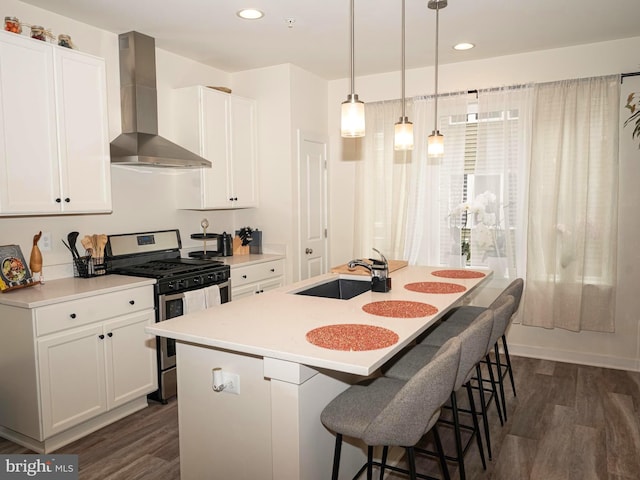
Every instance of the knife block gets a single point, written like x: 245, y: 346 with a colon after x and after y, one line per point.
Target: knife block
x: 238, y: 249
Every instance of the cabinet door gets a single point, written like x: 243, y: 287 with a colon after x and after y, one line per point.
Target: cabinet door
x: 84, y: 137
x: 243, y: 291
x: 72, y: 378
x: 29, y: 176
x: 271, y: 284
x: 130, y: 358
x: 243, y: 152
x: 216, y: 148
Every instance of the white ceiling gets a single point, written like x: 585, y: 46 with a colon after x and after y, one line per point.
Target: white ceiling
x: 210, y: 32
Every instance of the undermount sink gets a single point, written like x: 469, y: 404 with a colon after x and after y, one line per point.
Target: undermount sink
x: 341, y: 288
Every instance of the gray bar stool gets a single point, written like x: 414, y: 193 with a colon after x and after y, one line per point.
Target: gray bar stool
x: 474, y: 340
x: 462, y: 317
x: 390, y: 412
x: 502, y: 309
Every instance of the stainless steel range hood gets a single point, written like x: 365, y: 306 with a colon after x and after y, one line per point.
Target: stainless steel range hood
x: 139, y: 143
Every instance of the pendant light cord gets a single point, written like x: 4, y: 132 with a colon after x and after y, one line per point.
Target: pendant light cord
x: 403, y: 28
x: 435, y: 120
x: 353, y: 83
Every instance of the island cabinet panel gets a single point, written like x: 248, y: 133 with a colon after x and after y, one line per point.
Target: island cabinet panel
x: 221, y: 128
x: 218, y: 422
x: 255, y: 279
x: 54, y: 145
x: 83, y: 364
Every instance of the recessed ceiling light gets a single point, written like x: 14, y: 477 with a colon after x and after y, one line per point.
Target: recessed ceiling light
x: 463, y: 46
x: 250, y: 14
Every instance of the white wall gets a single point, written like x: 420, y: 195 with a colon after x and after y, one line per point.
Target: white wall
x: 619, y: 349
x: 289, y: 98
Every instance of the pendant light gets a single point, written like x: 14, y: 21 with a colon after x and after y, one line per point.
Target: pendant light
x: 403, y: 138
x: 352, y: 124
x: 436, y: 139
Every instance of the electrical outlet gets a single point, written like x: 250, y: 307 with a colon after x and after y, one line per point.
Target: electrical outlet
x: 45, y: 242
x: 232, y: 382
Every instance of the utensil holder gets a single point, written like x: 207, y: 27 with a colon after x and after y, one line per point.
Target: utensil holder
x: 87, y: 267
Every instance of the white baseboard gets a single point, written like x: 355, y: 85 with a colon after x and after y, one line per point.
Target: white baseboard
x: 580, y: 358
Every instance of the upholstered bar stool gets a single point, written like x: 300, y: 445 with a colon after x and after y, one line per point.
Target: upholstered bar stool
x: 390, y: 412
x: 474, y: 340
x: 462, y: 317
x: 502, y: 312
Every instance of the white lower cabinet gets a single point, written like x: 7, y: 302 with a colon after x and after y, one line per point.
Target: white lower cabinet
x: 75, y: 366
x: 257, y: 278
x: 115, y: 369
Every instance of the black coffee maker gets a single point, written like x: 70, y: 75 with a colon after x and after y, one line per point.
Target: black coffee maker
x: 225, y: 245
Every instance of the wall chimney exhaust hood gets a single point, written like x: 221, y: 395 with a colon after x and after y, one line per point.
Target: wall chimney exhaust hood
x: 139, y: 143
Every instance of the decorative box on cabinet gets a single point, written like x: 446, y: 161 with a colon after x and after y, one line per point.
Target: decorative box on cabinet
x: 54, y: 144
x: 221, y: 128
x: 257, y: 278
x: 77, y: 366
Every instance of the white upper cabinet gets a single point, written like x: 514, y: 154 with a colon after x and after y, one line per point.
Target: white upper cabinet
x: 54, y: 145
x: 221, y: 128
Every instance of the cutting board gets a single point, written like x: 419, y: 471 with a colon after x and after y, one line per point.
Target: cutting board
x: 393, y: 266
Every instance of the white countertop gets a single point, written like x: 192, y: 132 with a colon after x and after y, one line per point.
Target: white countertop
x: 274, y: 324
x: 245, y: 260
x: 65, y: 289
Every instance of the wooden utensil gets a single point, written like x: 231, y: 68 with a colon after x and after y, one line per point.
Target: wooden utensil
x: 87, y: 244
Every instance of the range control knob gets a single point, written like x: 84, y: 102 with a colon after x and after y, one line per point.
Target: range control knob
x: 196, y: 280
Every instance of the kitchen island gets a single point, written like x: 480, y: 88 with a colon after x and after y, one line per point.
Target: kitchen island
x: 272, y: 428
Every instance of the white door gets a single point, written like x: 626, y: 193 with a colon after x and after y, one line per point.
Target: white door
x: 312, y: 205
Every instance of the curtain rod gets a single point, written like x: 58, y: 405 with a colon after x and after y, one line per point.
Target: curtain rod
x: 631, y: 74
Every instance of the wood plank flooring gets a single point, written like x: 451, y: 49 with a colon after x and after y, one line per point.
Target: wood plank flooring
x: 568, y: 422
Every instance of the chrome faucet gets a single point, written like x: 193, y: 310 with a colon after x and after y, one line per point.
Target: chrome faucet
x: 380, y: 280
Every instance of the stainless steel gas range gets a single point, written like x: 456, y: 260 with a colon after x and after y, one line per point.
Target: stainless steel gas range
x: 157, y: 255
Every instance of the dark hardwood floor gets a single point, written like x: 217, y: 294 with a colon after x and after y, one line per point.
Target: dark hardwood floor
x: 568, y: 422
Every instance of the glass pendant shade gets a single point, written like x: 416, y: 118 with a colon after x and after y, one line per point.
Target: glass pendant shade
x: 435, y: 147
x: 352, y: 124
x: 403, y: 138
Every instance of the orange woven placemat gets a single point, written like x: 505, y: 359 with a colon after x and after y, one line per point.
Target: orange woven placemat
x: 400, y: 309
x: 352, y: 337
x: 458, y: 274
x: 435, y: 287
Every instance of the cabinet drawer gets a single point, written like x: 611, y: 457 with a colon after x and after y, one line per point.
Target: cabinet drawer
x: 61, y: 316
x: 257, y: 272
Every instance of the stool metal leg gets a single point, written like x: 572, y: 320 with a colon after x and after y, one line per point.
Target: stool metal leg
x: 476, y: 426
x: 506, y: 354
x: 385, y: 453
x: 336, y: 457
x: 440, y: 452
x: 369, y: 463
x: 411, y: 457
x: 456, y: 425
x: 483, y: 408
x: 494, y: 388
x: 500, y: 381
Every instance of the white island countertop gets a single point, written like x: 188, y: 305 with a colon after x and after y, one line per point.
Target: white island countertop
x: 274, y: 324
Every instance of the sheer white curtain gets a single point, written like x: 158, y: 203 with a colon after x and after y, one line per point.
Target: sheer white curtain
x: 381, y: 185
x: 500, y: 179
x: 572, y: 224
x: 436, y: 186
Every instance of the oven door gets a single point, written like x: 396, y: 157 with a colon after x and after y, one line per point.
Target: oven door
x: 171, y: 306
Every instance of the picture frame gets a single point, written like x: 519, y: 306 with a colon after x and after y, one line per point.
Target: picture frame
x: 14, y: 269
